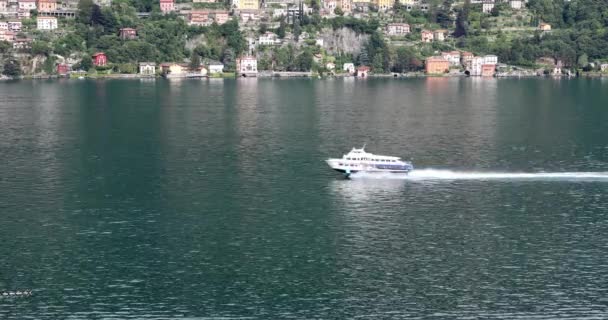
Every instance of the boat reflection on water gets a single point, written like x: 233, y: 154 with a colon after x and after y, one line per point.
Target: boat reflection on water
x: 359, y: 192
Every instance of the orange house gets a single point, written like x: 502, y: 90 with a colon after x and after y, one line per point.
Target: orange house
x: 488, y: 70
x: 46, y: 5
x: 427, y: 36
x: 437, y: 65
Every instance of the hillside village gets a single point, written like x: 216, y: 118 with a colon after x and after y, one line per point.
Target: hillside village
x: 203, y: 38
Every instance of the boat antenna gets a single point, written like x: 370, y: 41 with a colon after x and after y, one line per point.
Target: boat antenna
x: 364, y: 146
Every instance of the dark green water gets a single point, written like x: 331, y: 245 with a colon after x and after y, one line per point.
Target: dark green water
x: 210, y: 199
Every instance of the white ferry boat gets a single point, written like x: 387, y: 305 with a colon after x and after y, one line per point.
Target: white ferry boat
x: 357, y: 160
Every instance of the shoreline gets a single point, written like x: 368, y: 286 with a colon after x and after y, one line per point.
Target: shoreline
x: 304, y: 75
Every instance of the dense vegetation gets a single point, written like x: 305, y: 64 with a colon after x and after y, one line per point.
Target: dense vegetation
x: 579, y: 34
x: 579, y: 37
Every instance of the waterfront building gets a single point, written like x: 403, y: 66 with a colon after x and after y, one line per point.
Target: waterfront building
x: 397, y: 29
x: 604, y: 67
x: 216, y: 67
x: 247, y: 66
x: 436, y: 65
x: 46, y: 23
x: 147, y: 68
x: 488, y: 70
x: 100, y: 59
x: 474, y: 66
x: 3, y: 5
x: 490, y: 59
x: 62, y: 69
x: 452, y: 56
x: 349, y: 67
x: 363, y: 71
x: 465, y: 57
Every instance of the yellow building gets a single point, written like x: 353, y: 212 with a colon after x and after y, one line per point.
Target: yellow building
x: 249, y: 5
x: 384, y: 4
x: 176, y: 69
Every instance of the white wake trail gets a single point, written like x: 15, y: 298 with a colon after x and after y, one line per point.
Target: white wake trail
x: 437, y: 174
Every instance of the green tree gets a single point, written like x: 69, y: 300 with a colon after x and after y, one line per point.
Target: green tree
x: 304, y: 61
x: 5, y: 46
x: 195, y: 61
x: 583, y: 60
x: 68, y: 44
x: 462, y: 20
x: 12, y: 68
x: 378, y: 62
x: 281, y: 30
x: 85, y: 8
x: 297, y: 30
x: 97, y: 17
x: 40, y: 48
x: 86, y: 63
x: 234, y: 37
x: 363, y: 59
x: 49, y: 65
x: 403, y: 60
x: 228, y: 59
x: 339, y: 12
x: 263, y: 28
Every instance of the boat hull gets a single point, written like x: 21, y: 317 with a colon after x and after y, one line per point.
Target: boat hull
x: 371, y: 171
x: 339, y: 166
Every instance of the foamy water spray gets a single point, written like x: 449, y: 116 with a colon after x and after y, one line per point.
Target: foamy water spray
x: 434, y: 174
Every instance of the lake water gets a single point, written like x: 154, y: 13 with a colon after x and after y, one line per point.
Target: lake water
x: 210, y: 199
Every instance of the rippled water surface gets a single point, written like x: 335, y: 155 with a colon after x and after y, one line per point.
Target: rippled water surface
x: 210, y: 199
